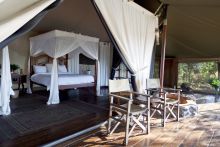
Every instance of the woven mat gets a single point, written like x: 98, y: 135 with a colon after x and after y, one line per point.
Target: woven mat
x: 43, y: 117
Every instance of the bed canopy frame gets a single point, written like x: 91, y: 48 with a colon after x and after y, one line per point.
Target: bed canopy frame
x: 57, y: 44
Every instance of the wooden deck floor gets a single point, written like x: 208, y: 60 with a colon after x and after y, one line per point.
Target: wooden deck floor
x: 202, y: 130
x: 33, y: 123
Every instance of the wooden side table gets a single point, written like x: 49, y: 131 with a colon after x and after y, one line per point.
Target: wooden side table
x: 16, y: 80
x: 23, y: 79
x: 20, y: 80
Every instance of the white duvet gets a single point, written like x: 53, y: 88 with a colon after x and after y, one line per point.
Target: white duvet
x: 64, y: 79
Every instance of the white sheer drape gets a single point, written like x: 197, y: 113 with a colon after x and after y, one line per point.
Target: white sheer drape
x: 15, y: 13
x: 58, y: 43
x: 104, y: 58
x: 73, y: 61
x: 54, y: 90
x: 6, y: 84
x: 133, y: 28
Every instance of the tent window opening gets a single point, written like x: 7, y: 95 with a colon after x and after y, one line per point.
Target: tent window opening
x: 86, y: 65
x: 197, y: 75
x: 122, y: 72
x: 156, y: 69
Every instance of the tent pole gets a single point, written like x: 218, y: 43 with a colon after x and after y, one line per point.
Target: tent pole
x: 158, y: 9
x: 163, y: 49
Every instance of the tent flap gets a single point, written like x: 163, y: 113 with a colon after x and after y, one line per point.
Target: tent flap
x: 133, y: 28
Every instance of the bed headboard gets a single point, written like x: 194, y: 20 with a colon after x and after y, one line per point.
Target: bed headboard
x: 45, y: 59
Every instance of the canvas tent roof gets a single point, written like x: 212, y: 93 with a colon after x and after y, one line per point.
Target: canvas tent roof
x: 189, y: 24
x: 63, y: 42
x: 193, y: 28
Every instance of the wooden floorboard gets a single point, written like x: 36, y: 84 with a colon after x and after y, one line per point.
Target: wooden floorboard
x: 201, y: 130
x: 92, y: 110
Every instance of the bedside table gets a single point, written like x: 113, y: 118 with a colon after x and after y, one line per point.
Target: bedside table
x: 15, y: 77
x: 23, y: 79
x: 19, y: 79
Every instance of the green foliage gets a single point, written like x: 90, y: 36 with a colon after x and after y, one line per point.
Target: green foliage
x: 197, y: 75
x: 214, y: 83
x: 14, y: 67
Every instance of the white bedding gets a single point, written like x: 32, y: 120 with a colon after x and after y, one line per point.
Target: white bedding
x: 64, y: 79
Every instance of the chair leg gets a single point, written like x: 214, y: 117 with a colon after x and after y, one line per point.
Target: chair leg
x: 170, y: 111
x: 109, y: 125
x: 117, y: 124
x: 148, y: 121
x: 127, y: 129
x: 134, y: 125
x: 148, y: 116
x: 110, y: 115
x: 164, y: 115
x: 156, y: 110
x: 178, y: 111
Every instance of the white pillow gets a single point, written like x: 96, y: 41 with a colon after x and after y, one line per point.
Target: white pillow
x: 49, y: 67
x: 62, y: 68
x: 40, y: 69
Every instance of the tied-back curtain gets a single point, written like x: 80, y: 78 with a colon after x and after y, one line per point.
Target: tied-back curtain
x: 116, y: 61
x: 133, y: 29
x: 6, y: 84
x: 54, y: 90
x: 73, y: 61
x: 58, y: 43
x: 104, y: 57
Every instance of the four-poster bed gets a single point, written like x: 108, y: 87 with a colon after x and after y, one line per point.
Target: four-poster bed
x: 67, y: 80
x: 57, y: 44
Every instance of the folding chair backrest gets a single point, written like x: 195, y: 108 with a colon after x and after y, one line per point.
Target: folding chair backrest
x: 153, y: 83
x: 119, y: 85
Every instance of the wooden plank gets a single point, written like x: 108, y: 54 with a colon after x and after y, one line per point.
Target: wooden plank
x: 28, y: 103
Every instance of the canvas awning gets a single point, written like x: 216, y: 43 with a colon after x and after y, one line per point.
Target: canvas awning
x: 132, y: 30
x: 16, y: 18
x: 193, y: 28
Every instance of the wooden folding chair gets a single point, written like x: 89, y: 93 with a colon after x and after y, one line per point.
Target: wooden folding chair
x: 161, y: 102
x: 128, y: 113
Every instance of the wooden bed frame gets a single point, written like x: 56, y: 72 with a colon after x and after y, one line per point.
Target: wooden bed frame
x: 44, y: 59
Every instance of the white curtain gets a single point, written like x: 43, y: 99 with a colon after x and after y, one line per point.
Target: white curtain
x: 133, y: 29
x: 6, y: 84
x: 73, y: 61
x: 58, y: 43
x: 15, y: 13
x: 54, y: 90
x: 104, y: 58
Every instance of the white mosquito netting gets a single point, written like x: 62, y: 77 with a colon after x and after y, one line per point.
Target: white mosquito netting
x: 6, y: 84
x: 58, y: 43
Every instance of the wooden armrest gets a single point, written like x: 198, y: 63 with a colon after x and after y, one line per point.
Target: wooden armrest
x: 172, y: 89
x: 153, y: 89
x: 147, y: 95
x: 121, y: 97
x: 156, y: 97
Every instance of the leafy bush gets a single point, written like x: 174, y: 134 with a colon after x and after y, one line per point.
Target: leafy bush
x: 214, y: 83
